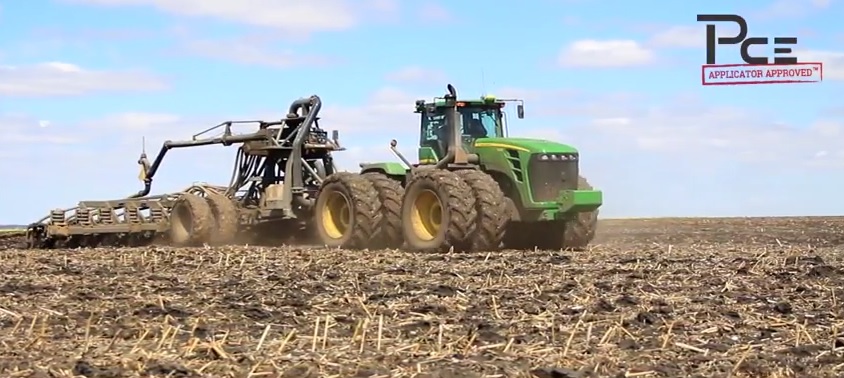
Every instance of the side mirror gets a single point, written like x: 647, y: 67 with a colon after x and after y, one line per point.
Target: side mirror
x: 335, y: 135
x: 520, y: 111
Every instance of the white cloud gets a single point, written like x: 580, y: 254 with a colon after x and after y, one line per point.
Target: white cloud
x: 107, y: 133
x: 685, y: 130
x: 388, y: 108
x: 153, y: 128
x: 366, y: 129
x: 681, y: 128
x: 135, y: 122
x: 250, y: 51
x: 610, y: 53
x: 537, y: 95
x: 21, y: 131
x: 680, y: 36
x: 416, y: 74
x: 65, y: 79
x: 289, y: 16
x: 833, y: 62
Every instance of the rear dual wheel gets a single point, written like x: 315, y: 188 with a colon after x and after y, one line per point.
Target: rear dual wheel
x: 346, y: 211
x: 359, y: 211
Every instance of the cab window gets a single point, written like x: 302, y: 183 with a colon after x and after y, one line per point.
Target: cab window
x: 479, y: 122
x: 433, y: 127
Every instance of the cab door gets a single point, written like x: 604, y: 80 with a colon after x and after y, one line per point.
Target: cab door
x: 433, y: 140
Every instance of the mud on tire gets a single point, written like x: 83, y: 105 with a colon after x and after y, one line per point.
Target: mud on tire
x: 225, y: 216
x: 388, y: 233
x: 491, y: 208
x: 438, y: 211
x: 191, y: 221
x: 346, y: 211
x: 580, y: 231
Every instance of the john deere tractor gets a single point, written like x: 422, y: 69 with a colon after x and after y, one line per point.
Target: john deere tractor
x: 474, y: 188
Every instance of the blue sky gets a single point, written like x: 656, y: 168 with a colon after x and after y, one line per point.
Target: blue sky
x: 83, y: 81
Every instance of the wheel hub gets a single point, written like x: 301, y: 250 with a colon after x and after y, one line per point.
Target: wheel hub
x: 336, y: 215
x: 427, y: 215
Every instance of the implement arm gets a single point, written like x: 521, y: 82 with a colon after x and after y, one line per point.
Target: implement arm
x: 310, y: 107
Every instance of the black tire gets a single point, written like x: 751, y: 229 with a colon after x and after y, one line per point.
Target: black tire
x: 346, y: 211
x: 580, y: 231
x: 191, y: 221
x: 448, y: 218
x: 225, y: 216
x: 491, y: 207
x: 388, y: 233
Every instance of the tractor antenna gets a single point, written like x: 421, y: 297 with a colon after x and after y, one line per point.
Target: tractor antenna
x: 143, y: 145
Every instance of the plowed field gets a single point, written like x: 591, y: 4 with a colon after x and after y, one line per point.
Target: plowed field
x: 749, y: 297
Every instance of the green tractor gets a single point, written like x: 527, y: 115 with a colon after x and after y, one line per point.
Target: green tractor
x: 474, y: 188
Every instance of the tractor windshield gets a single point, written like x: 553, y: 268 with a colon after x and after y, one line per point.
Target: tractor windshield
x: 480, y: 122
x: 475, y: 122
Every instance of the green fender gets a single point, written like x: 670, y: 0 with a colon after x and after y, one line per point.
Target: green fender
x: 387, y: 168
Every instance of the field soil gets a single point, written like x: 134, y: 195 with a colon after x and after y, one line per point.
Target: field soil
x: 743, y: 297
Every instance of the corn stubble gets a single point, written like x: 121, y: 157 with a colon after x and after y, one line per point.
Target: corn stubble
x: 652, y: 298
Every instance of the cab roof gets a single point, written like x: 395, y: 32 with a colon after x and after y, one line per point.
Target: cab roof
x: 438, y: 102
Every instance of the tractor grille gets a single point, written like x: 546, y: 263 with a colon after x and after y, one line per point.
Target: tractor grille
x: 550, y: 173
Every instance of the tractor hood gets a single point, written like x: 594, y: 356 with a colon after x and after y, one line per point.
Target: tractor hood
x: 525, y: 145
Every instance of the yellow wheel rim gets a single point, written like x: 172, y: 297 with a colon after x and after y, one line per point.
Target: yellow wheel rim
x: 427, y: 215
x: 336, y: 215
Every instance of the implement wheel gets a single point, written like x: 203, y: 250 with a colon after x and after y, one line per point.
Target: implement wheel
x: 438, y: 211
x: 191, y: 221
x: 225, y: 216
x: 346, y: 211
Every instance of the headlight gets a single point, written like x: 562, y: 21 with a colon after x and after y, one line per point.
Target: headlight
x: 558, y: 157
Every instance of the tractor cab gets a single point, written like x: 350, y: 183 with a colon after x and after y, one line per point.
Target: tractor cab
x: 476, y: 119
